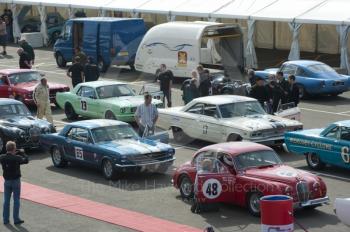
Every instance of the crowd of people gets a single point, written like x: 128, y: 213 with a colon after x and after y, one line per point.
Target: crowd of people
x: 276, y: 91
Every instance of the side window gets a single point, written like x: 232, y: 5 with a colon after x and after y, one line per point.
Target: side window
x: 289, y: 69
x: 3, y: 80
x: 88, y: 92
x: 345, y: 133
x: 66, y: 31
x: 208, y: 162
x: 333, y: 134
x: 210, y: 110
x: 79, y: 134
x: 300, y: 72
x: 196, y: 109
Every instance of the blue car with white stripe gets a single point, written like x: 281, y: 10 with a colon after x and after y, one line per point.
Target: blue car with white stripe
x: 312, y: 77
x: 111, y: 145
x: 323, y: 146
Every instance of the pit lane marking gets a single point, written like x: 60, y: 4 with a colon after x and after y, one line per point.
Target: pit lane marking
x: 326, y: 112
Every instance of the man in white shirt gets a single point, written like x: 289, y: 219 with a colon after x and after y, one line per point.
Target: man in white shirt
x: 146, y: 115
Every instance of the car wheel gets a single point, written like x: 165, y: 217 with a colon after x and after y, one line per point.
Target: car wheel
x: 103, y: 67
x: 253, y: 203
x: 57, y: 158
x: 69, y: 111
x: 110, y: 115
x: 302, y: 92
x: 179, y: 135
x: 313, y: 161
x: 60, y: 61
x: 186, y: 187
x: 234, y: 138
x: 108, y: 169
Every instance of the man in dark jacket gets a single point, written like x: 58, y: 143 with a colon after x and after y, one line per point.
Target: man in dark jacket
x: 165, y: 78
x: 28, y: 49
x: 275, y: 95
x: 293, y: 91
x: 91, y: 71
x: 11, y: 162
x: 284, y: 85
x: 205, y: 83
x: 24, y: 60
x: 75, y: 72
x: 259, y: 91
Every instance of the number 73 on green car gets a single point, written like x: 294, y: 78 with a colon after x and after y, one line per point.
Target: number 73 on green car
x: 102, y: 99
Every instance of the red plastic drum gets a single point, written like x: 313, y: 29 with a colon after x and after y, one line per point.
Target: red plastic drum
x: 276, y: 213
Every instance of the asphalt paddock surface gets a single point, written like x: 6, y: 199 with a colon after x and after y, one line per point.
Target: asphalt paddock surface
x: 153, y: 194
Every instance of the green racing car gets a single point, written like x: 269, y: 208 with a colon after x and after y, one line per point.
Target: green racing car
x: 102, y: 99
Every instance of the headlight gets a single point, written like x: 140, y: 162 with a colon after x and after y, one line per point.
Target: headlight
x: 171, y: 151
x: 122, y: 110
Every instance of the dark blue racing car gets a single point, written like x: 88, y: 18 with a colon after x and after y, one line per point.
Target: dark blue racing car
x: 110, y: 145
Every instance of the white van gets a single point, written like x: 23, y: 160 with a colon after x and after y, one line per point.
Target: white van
x: 182, y: 46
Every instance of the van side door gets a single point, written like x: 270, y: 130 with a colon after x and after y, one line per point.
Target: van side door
x: 91, y: 39
x: 64, y: 45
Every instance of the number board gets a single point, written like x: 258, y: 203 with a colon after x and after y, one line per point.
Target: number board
x: 212, y: 188
x: 83, y: 105
x: 79, y: 154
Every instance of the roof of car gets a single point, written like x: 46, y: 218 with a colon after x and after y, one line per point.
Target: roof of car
x: 96, y: 84
x: 223, y: 99
x: 12, y: 71
x: 236, y: 148
x: 304, y: 63
x: 96, y: 123
x: 343, y: 123
x: 6, y: 101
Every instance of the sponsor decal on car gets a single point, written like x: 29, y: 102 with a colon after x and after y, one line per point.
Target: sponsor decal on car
x: 79, y: 154
x: 309, y: 143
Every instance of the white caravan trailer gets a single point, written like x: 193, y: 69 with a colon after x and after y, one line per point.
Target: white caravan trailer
x: 182, y: 46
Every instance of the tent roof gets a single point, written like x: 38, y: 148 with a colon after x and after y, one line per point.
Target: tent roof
x: 301, y: 11
x: 242, y: 9
x: 160, y: 6
x: 124, y: 5
x: 285, y: 10
x: 329, y: 12
x: 199, y: 8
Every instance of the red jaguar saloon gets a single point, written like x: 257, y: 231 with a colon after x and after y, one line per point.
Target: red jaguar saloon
x: 241, y: 173
x: 20, y: 84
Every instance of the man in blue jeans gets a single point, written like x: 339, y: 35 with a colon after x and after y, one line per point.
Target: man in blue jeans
x: 11, y: 162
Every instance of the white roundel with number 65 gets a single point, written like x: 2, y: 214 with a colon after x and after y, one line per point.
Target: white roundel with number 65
x: 211, y: 188
x: 345, y: 154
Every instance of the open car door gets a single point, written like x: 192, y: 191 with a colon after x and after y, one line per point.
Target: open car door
x: 214, y: 182
x: 288, y: 110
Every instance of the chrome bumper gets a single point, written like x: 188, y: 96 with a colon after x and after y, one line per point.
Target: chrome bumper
x: 145, y: 164
x: 318, y: 201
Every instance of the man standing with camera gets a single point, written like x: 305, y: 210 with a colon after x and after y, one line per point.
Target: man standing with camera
x: 11, y: 162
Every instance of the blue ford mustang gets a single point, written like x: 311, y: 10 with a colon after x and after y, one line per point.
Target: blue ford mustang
x: 328, y: 145
x: 110, y: 145
x: 312, y: 77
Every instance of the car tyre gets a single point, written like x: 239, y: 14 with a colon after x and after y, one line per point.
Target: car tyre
x: 302, y: 92
x: 313, y: 161
x: 108, y: 170
x: 110, y: 115
x: 186, y: 187
x: 179, y: 135
x: 69, y: 111
x: 234, y: 138
x: 57, y: 157
x: 253, y: 203
x: 60, y: 61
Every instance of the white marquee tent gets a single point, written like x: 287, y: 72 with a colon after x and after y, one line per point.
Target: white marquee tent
x: 294, y: 12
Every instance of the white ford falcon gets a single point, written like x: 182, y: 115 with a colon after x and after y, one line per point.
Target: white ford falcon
x: 225, y: 118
